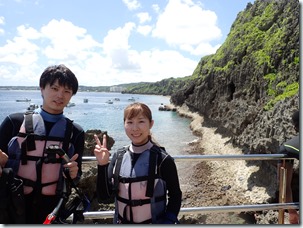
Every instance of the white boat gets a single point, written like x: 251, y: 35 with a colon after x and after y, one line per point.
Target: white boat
x: 70, y: 104
x: 109, y: 102
x: 32, y: 107
x: 85, y: 100
x: 132, y: 99
x: 116, y: 99
x: 24, y: 100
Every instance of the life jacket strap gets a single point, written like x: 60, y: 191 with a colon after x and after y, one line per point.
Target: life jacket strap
x: 33, y: 184
x: 125, y: 221
x: 140, y: 202
x: 36, y: 137
x: 151, y: 172
x: 35, y: 158
x: 68, y: 135
x: 120, y: 154
x: 132, y: 179
x: 28, y: 143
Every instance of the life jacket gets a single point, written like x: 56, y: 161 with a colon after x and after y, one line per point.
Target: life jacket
x: 140, y: 191
x: 39, y: 168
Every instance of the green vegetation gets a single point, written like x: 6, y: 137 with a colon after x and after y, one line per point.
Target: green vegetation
x: 289, y: 91
x: 164, y: 87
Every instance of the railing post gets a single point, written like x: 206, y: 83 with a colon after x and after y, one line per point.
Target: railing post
x: 282, y: 191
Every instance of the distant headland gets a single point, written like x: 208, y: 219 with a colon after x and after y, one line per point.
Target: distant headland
x: 81, y: 88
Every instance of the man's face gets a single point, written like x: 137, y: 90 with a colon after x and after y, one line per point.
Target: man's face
x: 55, y: 97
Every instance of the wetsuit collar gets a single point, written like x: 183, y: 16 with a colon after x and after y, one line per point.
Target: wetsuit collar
x: 141, y: 148
x: 49, y: 117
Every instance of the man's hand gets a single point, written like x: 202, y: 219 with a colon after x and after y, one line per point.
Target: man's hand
x: 3, y: 160
x: 72, y: 166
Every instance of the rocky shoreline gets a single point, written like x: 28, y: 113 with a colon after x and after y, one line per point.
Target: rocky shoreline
x: 219, y: 183
x: 207, y: 183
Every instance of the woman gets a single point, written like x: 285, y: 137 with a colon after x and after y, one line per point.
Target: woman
x: 142, y: 177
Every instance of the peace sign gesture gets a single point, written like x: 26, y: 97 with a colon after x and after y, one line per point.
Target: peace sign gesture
x: 101, y: 152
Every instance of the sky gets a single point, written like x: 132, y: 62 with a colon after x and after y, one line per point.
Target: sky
x: 110, y: 42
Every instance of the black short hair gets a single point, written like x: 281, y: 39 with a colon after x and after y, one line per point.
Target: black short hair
x: 64, y: 75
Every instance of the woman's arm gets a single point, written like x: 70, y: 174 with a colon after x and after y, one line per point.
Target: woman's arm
x: 105, y: 186
x: 169, y: 174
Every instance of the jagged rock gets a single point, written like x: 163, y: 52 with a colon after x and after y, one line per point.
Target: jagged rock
x: 90, y: 141
x: 236, y: 94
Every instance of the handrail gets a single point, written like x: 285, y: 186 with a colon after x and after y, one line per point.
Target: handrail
x: 199, y: 210
x: 279, y: 206
x: 218, y: 157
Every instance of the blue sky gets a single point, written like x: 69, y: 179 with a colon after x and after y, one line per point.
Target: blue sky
x: 112, y: 41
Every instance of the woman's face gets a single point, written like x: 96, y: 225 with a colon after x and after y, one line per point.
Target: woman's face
x: 138, y: 129
x: 55, y: 97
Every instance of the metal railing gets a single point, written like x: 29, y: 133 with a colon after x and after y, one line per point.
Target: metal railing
x: 281, y: 206
x: 200, y: 210
x: 218, y: 157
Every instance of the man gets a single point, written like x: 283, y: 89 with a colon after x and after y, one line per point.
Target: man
x: 292, y: 149
x: 28, y: 141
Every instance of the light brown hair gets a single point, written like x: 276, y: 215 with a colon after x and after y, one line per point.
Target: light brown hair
x: 136, y: 109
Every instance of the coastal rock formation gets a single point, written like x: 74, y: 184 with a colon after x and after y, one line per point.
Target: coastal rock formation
x: 249, y: 99
x: 90, y: 141
x: 249, y: 88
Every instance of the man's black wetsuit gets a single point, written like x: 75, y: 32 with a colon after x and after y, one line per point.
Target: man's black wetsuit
x: 36, y: 213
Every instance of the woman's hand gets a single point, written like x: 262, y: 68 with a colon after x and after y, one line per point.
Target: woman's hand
x: 101, y: 152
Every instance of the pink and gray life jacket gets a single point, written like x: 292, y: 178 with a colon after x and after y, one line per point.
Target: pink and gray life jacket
x: 140, y: 191
x: 32, y: 161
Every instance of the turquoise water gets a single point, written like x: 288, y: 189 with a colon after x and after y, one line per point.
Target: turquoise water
x: 170, y: 130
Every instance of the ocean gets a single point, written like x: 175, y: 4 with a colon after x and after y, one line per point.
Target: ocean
x: 170, y: 130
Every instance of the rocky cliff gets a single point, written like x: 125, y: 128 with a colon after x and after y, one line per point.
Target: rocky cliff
x: 249, y: 88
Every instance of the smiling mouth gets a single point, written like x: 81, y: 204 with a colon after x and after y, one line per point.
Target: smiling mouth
x: 58, y: 102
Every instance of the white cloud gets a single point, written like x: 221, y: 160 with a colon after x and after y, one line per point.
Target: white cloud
x: 156, y: 8
x: 60, y: 42
x: 144, y: 29
x: 1, y: 20
x: 118, y: 38
x: 20, y: 51
x: 164, y: 64
x: 144, y: 17
x: 28, y: 33
x: 110, y: 61
x: 18, y: 60
x: 2, y: 23
x: 186, y: 25
x: 67, y: 41
x: 132, y: 4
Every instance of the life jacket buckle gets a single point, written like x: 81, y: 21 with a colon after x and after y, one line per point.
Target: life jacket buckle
x: 51, y: 152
